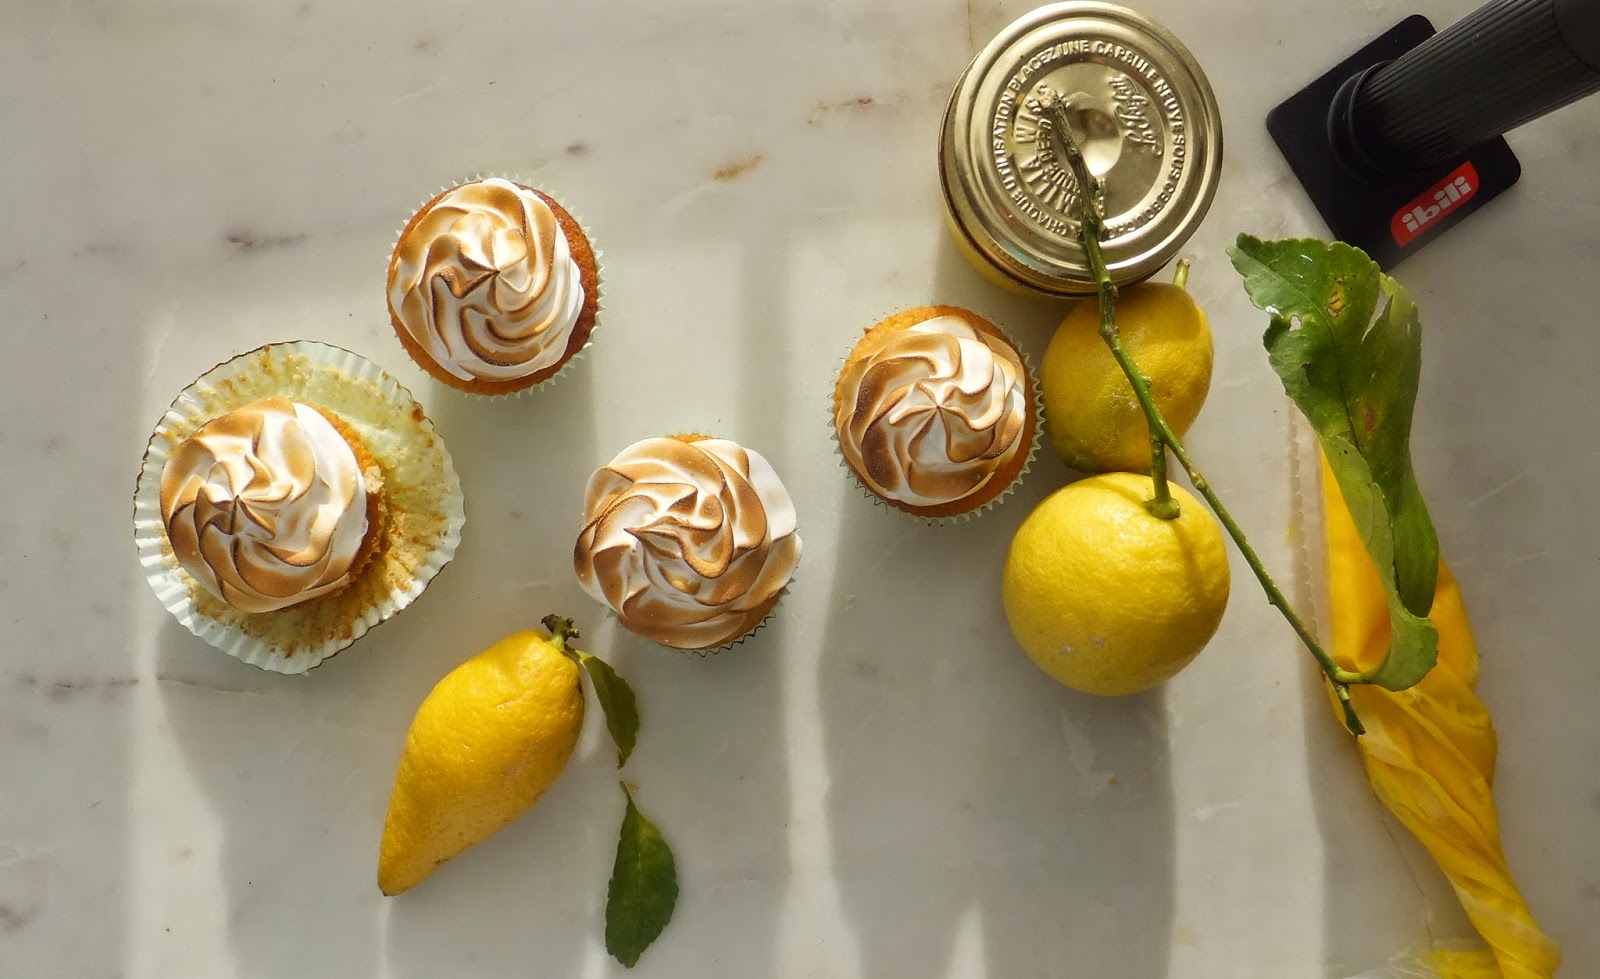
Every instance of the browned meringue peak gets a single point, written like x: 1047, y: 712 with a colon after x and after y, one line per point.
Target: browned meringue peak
x: 265, y: 506
x: 690, y: 543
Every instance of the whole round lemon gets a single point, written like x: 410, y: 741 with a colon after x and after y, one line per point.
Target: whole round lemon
x: 1108, y: 598
x: 1090, y: 411
x: 485, y: 744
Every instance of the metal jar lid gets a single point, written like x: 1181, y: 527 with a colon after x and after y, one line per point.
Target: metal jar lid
x: 1142, y: 113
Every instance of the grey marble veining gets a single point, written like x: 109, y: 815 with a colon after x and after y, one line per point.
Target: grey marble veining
x: 865, y: 790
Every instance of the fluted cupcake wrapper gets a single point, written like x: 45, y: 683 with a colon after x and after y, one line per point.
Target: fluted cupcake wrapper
x: 977, y: 511
x: 422, y: 493
x: 600, y: 285
x: 772, y: 612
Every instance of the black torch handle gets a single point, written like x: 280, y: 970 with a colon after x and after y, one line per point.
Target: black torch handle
x: 1506, y: 63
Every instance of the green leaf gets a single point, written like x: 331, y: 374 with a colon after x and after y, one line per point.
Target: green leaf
x: 616, y: 700
x: 1347, y: 343
x: 644, y: 887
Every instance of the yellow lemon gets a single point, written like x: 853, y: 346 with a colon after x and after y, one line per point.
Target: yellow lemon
x: 1108, y: 598
x: 485, y: 744
x: 1090, y: 411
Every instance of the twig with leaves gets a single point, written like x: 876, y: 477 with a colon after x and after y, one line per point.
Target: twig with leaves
x: 644, y: 878
x: 1162, y: 438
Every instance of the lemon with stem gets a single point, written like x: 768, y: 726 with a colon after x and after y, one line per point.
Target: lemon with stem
x: 490, y: 739
x: 1092, y: 414
x: 1109, y: 598
x: 487, y: 742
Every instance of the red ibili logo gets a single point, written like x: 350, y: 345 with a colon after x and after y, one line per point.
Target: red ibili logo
x: 1433, y: 204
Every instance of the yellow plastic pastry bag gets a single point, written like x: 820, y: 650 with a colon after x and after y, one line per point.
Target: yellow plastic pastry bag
x: 1429, y: 752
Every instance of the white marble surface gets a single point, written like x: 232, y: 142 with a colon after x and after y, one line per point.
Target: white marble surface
x: 881, y: 785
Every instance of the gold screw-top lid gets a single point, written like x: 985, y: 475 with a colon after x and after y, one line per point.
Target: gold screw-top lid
x: 1141, y: 111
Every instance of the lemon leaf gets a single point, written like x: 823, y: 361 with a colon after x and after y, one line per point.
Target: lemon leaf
x: 1346, y: 341
x: 644, y: 887
x: 617, y: 701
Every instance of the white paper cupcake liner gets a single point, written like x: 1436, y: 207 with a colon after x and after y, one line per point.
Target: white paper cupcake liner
x: 421, y: 531
x: 772, y: 612
x: 599, y: 297
x: 975, y: 512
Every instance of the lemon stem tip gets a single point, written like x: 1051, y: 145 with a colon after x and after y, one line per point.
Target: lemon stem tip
x: 1164, y: 509
x: 561, y: 629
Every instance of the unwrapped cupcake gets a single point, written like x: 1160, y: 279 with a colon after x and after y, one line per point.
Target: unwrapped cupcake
x: 935, y: 412
x: 690, y: 540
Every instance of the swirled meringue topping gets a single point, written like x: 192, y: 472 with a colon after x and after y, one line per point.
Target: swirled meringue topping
x: 689, y: 542
x: 484, y: 281
x: 930, y: 416
x: 266, y: 506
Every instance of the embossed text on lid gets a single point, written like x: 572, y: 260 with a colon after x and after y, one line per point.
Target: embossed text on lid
x: 1141, y: 110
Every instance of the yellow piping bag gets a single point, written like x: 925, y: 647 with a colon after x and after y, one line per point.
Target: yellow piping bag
x: 1429, y: 753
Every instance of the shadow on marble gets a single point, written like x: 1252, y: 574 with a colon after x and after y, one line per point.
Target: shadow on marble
x: 70, y: 595
x: 984, y: 820
x: 712, y: 771
x: 66, y: 724
x: 969, y: 794
x: 283, y: 762
x: 713, y: 756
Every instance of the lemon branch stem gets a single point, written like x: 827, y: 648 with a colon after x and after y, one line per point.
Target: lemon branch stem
x: 1162, y: 505
x: 1090, y: 230
x: 1180, y: 275
x: 1339, y: 678
x: 561, y: 629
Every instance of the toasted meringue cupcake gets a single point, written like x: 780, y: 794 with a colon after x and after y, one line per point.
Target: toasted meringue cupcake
x: 935, y: 412
x: 690, y: 540
x: 493, y: 287
x: 290, y: 499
